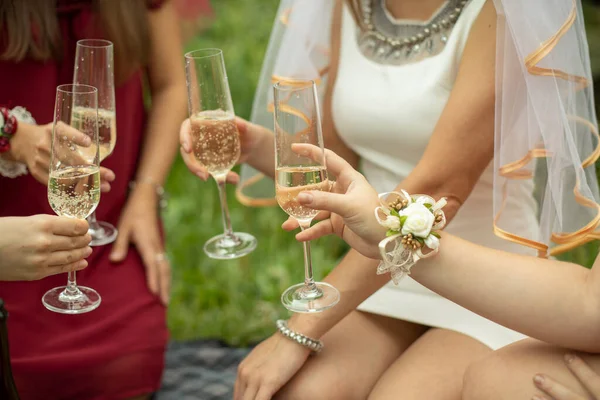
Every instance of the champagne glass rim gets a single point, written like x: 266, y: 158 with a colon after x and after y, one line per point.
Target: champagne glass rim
x: 77, y: 88
x: 290, y: 85
x: 95, y: 43
x: 204, y: 53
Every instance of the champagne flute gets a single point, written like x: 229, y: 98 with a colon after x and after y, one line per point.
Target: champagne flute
x: 215, y: 140
x: 94, y: 66
x: 298, y: 121
x: 74, y: 186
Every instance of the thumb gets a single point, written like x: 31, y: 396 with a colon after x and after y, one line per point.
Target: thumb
x: 121, y: 246
x: 242, y: 125
x: 326, y: 201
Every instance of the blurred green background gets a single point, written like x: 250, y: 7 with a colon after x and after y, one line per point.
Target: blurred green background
x: 237, y: 301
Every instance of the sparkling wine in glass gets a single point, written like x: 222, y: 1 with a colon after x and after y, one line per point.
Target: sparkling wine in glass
x: 94, y: 66
x: 215, y: 140
x: 74, y: 185
x: 298, y: 124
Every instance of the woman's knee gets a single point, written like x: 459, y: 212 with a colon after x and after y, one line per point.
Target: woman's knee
x: 482, y: 379
x: 321, y: 386
x: 507, y: 374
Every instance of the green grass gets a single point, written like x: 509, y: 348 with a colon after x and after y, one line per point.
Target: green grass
x: 238, y: 301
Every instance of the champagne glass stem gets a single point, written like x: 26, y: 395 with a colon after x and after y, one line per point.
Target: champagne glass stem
x: 71, y: 289
x: 93, y: 222
x: 225, y: 209
x: 309, y: 282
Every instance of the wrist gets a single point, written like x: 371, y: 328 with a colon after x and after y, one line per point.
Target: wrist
x: 309, y: 325
x: 380, y: 233
x: 264, y: 138
x: 150, y: 190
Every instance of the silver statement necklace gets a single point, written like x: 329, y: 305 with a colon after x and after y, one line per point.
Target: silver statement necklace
x: 387, y: 40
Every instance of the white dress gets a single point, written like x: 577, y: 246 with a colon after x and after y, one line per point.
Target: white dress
x: 387, y: 114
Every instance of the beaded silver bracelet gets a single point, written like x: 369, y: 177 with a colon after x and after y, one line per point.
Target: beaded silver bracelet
x: 313, y: 344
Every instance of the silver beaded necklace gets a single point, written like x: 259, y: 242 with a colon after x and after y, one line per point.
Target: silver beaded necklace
x: 386, y: 40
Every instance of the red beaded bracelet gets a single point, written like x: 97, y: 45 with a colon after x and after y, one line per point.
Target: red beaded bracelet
x: 8, y: 127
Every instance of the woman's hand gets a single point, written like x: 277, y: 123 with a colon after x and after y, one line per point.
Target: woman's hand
x: 106, y: 177
x: 348, y: 210
x: 139, y: 226
x: 251, y: 137
x: 588, y: 378
x: 268, y: 367
x: 33, y: 248
x: 32, y: 147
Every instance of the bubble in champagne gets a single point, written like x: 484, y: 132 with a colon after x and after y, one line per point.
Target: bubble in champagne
x: 215, y: 141
x: 74, y: 191
x: 291, y: 181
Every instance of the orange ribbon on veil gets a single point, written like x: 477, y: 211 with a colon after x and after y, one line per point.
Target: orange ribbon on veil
x: 565, y: 241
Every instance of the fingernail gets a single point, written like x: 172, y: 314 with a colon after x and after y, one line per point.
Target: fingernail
x: 202, y: 175
x: 186, y: 147
x: 82, y: 264
x: 569, y: 358
x: 305, y: 198
x: 538, y: 379
x: 88, y: 251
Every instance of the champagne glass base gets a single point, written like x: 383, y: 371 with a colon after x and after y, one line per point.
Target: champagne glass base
x: 83, y: 300
x: 105, y: 233
x: 301, y: 299
x: 227, y: 247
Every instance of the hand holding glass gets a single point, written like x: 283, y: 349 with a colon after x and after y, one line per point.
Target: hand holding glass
x: 298, y: 120
x: 94, y: 66
x: 74, y: 186
x: 215, y: 140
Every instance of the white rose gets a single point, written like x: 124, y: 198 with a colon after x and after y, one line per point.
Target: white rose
x: 419, y: 220
x: 432, y: 242
x: 392, y: 222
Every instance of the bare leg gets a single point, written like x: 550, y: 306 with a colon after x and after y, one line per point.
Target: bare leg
x: 507, y: 374
x: 431, y: 368
x: 357, y: 352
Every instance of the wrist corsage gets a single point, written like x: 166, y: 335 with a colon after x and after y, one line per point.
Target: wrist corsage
x: 413, y: 223
x: 9, y: 122
x: 8, y: 127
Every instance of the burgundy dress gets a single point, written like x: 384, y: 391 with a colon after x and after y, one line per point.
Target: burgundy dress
x: 116, y: 351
